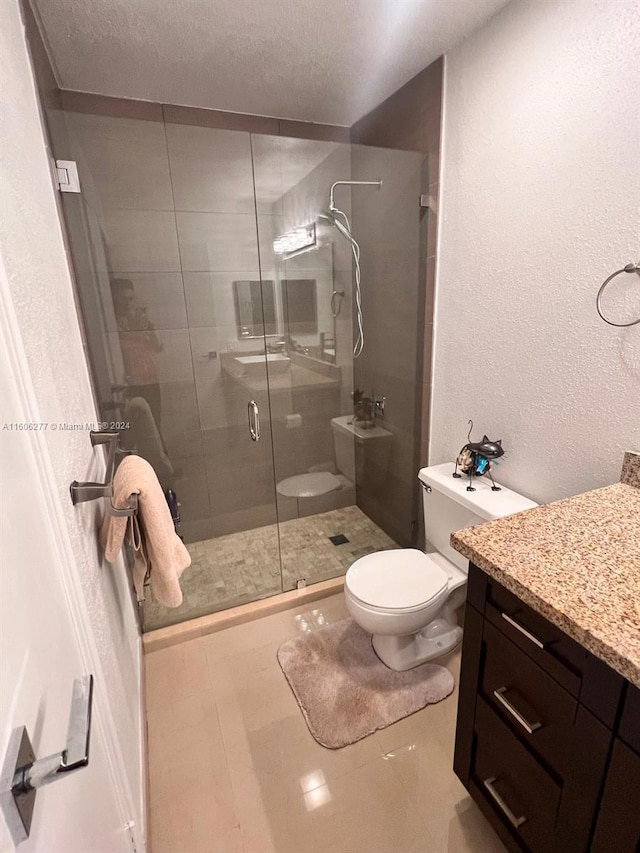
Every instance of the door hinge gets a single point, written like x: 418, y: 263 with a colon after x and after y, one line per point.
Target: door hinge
x: 67, y: 176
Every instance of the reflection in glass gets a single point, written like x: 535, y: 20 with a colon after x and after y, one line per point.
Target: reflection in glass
x: 139, y: 344
x: 300, y: 303
x: 255, y: 308
x: 141, y: 396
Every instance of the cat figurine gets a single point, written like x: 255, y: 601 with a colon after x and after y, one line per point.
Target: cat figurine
x: 474, y: 459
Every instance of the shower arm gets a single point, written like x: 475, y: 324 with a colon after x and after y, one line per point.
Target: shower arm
x: 332, y: 206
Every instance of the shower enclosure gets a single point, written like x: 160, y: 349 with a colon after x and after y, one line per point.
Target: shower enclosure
x: 217, y: 304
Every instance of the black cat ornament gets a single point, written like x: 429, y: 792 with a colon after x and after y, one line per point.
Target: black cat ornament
x: 475, y: 459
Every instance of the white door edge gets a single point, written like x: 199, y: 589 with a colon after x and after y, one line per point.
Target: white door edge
x: 104, y: 725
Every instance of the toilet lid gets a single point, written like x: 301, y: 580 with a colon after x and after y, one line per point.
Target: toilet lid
x: 309, y: 485
x: 396, y: 580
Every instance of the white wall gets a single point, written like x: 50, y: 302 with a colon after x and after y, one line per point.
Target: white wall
x: 33, y: 254
x: 541, y: 185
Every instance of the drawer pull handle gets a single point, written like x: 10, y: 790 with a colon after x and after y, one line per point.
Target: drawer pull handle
x: 515, y: 822
x: 523, y: 630
x: 530, y: 728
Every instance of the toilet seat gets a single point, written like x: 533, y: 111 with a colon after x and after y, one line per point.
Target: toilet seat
x: 309, y: 485
x: 402, y: 580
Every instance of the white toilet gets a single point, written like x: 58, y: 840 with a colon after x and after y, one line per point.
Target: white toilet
x: 408, y: 599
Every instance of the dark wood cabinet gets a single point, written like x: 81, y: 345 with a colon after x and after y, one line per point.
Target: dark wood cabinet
x: 511, y: 779
x: 629, y: 729
x: 542, y: 739
x: 618, y: 825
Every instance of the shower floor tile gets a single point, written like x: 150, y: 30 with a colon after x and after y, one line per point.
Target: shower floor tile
x: 240, y: 567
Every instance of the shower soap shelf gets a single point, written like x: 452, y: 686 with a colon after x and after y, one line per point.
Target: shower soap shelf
x: 87, y: 491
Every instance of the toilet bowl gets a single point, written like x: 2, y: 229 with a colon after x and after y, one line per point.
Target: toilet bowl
x: 395, y: 595
x: 408, y: 600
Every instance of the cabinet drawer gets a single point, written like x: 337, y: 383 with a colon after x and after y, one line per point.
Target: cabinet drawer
x: 551, y: 649
x: 534, y: 706
x: 618, y: 826
x: 590, y: 680
x: 519, y: 790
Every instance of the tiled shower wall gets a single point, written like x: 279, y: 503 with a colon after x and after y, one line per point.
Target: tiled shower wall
x: 409, y: 120
x: 393, y: 283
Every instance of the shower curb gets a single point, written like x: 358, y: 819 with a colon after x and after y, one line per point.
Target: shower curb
x: 162, y: 638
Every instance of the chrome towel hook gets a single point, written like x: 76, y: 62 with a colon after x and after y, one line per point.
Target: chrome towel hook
x: 628, y: 268
x: 81, y: 492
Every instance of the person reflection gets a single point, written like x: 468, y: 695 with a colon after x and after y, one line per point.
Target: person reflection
x: 139, y: 345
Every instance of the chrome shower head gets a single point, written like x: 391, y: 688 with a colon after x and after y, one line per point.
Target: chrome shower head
x: 331, y: 218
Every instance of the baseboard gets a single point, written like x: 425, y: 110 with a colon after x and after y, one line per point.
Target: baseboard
x: 161, y: 638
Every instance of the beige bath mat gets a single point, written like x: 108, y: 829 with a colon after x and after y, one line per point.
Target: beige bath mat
x: 346, y: 692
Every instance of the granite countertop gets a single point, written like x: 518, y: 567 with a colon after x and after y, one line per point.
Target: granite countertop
x: 577, y: 562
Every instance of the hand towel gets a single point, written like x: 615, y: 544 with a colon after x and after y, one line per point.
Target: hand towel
x: 158, y: 549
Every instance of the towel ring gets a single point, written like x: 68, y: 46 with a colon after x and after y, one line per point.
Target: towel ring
x: 627, y: 268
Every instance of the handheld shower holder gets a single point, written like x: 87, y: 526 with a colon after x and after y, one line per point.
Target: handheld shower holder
x: 340, y: 220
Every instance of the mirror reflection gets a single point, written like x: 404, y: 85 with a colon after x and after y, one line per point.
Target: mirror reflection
x: 299, y: 308
x: 255, y: 308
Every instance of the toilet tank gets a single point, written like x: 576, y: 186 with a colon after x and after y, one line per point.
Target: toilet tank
x: 448, y: 506
x: 356, y: 446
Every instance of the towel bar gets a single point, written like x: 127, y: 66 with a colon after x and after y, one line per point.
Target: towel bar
x: 81, y: 492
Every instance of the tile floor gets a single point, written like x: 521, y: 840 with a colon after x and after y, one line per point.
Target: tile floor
x: 242, y: 567
x: 233, y: 768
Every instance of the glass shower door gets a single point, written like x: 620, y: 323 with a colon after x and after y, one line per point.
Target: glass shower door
x: 312, y: 386
x: 343, y: 488
x: 165, y: 248
x: 235, y: 557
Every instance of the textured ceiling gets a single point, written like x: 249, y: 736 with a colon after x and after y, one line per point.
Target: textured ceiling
x: 327, y: 61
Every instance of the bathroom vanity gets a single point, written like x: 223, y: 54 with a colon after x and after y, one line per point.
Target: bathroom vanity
x: 548, y: 729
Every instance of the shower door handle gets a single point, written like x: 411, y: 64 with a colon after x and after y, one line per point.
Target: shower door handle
x: 254, y: 420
